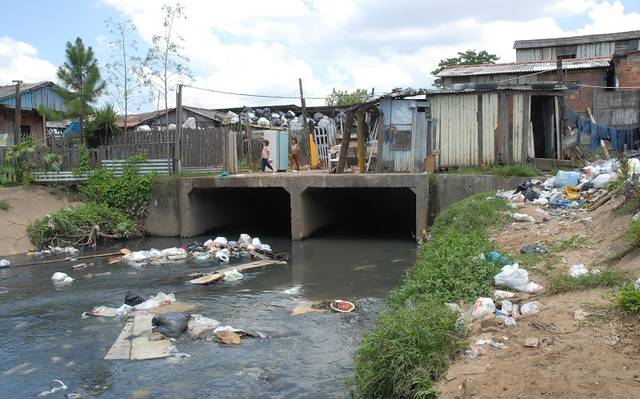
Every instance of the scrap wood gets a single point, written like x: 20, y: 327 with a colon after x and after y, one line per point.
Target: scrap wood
x: 134, y: 342
x: 102, y: 311
x: 219, y: 274
x: 172, y: 307
x: 601, y: 201
x: 123, y: 251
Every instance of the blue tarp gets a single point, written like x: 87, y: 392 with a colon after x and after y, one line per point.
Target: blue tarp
x: 72, y: 129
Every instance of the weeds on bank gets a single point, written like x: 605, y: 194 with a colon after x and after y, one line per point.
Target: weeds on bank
x: 4, y: 205
x: 501, y: 170
x: 575, y: 242
x: 561, y: 283
x: 628, y: 299
x: 414, y: 340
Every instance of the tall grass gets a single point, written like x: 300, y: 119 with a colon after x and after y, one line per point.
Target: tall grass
x: 414, y: 340
x: 502, y: 170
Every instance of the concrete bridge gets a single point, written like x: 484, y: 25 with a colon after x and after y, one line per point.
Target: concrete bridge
x: 302, y: 204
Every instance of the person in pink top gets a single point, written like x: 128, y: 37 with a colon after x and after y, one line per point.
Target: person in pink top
x: 266, y: 155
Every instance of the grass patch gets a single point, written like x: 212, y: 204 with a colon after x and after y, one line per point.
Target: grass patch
x: 628, y: 299
x: 501, y: 170
x: 4, y: 205
x: 408, y: 349
x: 575, y: 242
x: 414, y: 340
x: 560, y: 283
x: 84, y: 225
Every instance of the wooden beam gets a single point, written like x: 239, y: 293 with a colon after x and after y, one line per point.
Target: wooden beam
x: 361, y: 141
x: 480, y: 132
x: 219, y: 274
x: 380, y: 151
x: 526, y: 112
x: 344, y: 145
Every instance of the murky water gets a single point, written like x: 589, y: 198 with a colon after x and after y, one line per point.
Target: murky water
x: 44, y: 337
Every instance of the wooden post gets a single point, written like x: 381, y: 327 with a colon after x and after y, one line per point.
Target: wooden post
x: 344, y: 145
x: 304, y: 108
x: 361, y: 141
x: 249, y: 142
x: 560, y: 75
x: 18, y: 115
x: 178, y: 138
x: 380, y: 151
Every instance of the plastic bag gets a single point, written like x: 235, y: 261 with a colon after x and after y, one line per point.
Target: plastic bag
x: 133, y: 299
x: 513, y: 277
x: 244, y: 239
x: 170, y: 324
x: 567, y: 178
x: 201, y: 256
x: 571, y: 192
x: 482, y: 308
x: 603, y: 180
x: 199, y: 325
x: 495, y: 256
x: 221, y: 241
x: 155, y: 301
x: 173, y: 252
x: 232, y: 275
x: 4, y: 263
x: 578, y: 270
x: 61, y: 278
x: 265, y: 247
x: 522, y: 217
x: 530, y: 308
x: 55, y: 385
x: 636, y: 284
x: 122, y: 311
x: 499, y: 294
x: 256, y: 242
x: 541, y: 201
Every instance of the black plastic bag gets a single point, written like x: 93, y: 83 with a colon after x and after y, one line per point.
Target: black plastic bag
x: 170, y: 324
x: 133, y: 299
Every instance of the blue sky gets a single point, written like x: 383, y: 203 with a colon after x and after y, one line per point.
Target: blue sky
x: 263, y: 47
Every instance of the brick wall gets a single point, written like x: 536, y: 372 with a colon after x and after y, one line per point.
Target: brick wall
x: 583, y: 97
x: 628, y: 70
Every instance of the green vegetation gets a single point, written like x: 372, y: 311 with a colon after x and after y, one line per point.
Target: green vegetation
x: 574, y: 242
x: 84, y: 225
x: 4, y: 205
x: 605, y: 279
x: 18, y: 163
x: 628, y: 299
x: 469, y: 57
x: 632, y: 235
x: 501, y: 170
x: 414, y: 340
x: 128, y: 193
x: 102, y: 125
x: 344, y: 97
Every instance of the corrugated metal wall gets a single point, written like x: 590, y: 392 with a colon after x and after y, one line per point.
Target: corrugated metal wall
x: 595, y: 49
x: 536, y: 54
x: 582, y: 51
x: 457, y: 124
x: 42, y: 96
x: 401, y: 117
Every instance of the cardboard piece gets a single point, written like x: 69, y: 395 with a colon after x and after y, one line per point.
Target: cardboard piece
x: 134, y: 342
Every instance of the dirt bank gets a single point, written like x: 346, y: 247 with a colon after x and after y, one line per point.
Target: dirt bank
x: 597, y: 356
x: 25, y: 205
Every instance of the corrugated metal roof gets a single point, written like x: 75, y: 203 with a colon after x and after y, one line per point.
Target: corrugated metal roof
x: 525, y: 67
x: 468, y: 88
x: 584, y: 39
x: 10, y: 90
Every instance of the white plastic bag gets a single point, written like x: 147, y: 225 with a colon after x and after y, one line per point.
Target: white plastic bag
x: 265, y: 247
x: 636, y: 284
x: 61, y: 278
x: 499, y: 294
x: 522, y: 217
x: 603, y: 180
x: 244, y: 239
x: 578, y: 270
x: 256, y: 242
x: 122, y: 311
x: 515, y: 278
x: 232, y: 275
x: 223, y: 255
x: 4, y: 263
x: 199, y: 324
x: 173, y: 252
x: 530, y: 308
x: 221, y: 241
x: 482, y: 308
x: 541, y: 201
x: 155, y: 301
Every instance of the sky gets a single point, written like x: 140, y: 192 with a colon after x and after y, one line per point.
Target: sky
x: 263, y: 47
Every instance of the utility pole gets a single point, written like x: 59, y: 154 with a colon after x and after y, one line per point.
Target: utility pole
x: 18, y: 116
x: 560, y: 76
x: 178, y: 139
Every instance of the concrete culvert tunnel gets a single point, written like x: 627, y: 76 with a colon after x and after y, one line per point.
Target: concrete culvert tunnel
x: 264, y: 210
x: 361, y: 212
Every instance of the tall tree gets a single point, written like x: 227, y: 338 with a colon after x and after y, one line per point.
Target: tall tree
x: 344, y: 97
x: 469, y: 57
x: 80, y: 76
x: 124, y: 68
x: 164, y: 63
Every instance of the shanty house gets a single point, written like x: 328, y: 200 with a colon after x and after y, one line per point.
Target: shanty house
x: 157, y: 119
x: 32, y: 96
x: 494, y: 124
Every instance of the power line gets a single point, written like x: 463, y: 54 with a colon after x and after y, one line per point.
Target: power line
x: 610, y: 87
x: 524, y: 76
x: 254, y: 95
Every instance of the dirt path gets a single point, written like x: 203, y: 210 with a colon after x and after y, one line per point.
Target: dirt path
x: 25, y: 205
x: 596, y: 357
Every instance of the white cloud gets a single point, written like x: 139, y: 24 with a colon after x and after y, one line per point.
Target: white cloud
x: 19, y: 60
x: 255, y: 46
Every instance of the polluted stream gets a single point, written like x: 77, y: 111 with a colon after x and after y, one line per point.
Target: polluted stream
x: 45, y: 338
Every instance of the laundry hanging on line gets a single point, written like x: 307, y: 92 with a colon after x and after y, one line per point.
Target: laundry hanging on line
x: 618, y: 137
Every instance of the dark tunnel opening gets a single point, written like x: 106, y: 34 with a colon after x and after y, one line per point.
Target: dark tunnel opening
x: 359, y: 212
x: 264, y: 210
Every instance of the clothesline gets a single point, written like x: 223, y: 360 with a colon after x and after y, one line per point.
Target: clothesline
x: 618, y: 137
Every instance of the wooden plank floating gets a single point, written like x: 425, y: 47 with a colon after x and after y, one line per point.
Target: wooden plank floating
x: 219, y: 274
x: 133, y: 342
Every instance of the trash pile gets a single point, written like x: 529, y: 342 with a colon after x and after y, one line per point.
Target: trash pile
x: 266, y: 117
x: 567, y: 189
x: 53, y: 251
x: 219, y: 248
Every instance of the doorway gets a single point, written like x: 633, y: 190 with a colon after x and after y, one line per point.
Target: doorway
x: 543, y: 122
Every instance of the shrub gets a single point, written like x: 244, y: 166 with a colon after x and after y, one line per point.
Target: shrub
x: 629, y: 299
x: 18, y: 163
x: 473, y: 213
x: 633, y: 233
x: 4, y: 205
x: 128, y: 193
x: 408, y: 349
x: 84, y: 225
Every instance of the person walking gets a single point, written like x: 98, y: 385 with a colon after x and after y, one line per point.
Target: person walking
x: 266, y: 157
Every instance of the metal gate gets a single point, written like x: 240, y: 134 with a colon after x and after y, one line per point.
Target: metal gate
x: 324, y: 137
